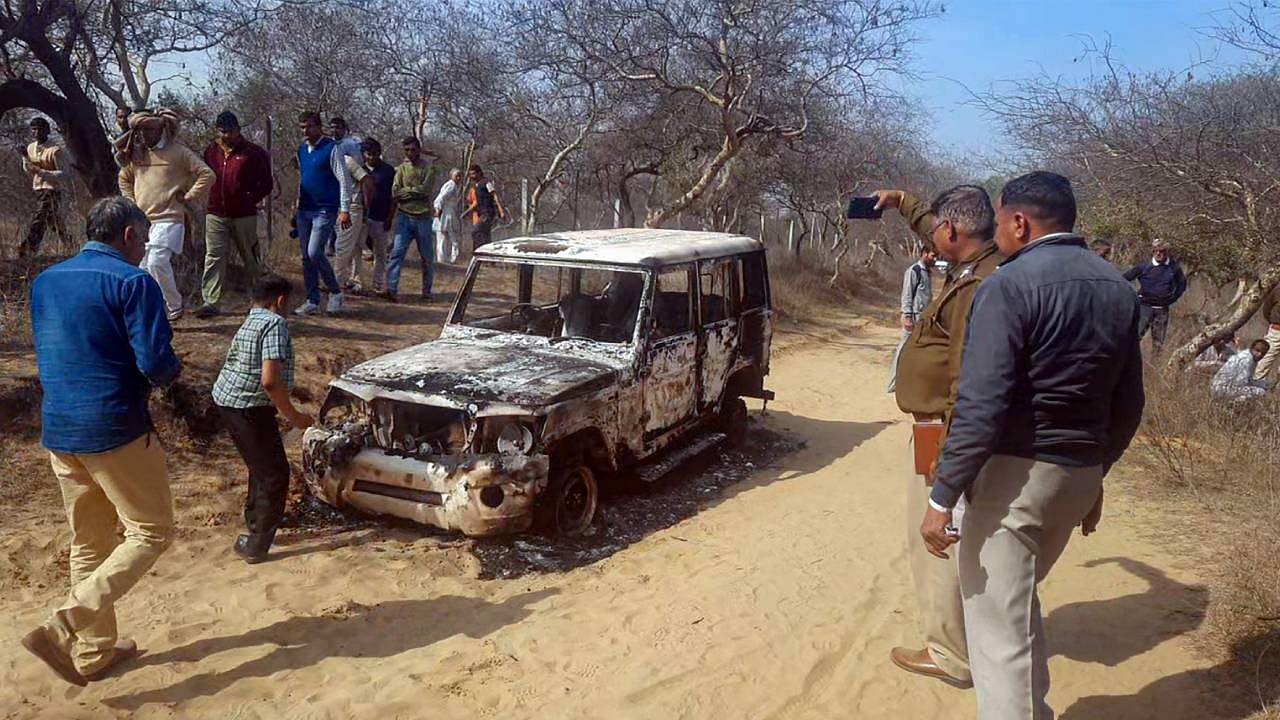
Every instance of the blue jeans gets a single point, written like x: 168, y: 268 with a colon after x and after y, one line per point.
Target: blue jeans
x: 315, y: 230
x: 412, y: 228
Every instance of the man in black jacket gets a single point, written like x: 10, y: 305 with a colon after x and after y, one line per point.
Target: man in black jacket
x: 1160, y: 284
x: 1050, y: 396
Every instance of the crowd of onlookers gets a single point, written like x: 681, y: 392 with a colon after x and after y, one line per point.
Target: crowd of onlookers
x: 352, y: 207
x: 101, y: 324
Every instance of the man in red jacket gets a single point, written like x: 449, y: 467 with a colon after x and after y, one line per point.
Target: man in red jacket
x: 243, y: 178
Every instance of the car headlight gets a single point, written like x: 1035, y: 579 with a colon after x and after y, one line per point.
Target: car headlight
x: 515, y: 438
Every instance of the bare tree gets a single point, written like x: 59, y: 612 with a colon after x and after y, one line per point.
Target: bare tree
x: 754, y: 68
x: 1200, y: 157
x: 61, y: 57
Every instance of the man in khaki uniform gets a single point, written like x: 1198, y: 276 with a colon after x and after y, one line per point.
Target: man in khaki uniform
x: 960, y: 224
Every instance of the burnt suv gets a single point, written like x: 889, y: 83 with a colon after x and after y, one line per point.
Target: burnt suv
x: 565, y: 359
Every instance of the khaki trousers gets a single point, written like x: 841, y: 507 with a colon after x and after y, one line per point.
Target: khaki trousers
x: 1020, y: 516
x: 346, y: 261
x: 220, y: 235
x: 129, y: 483
x: 1268, y: 361
x: 939, y: 610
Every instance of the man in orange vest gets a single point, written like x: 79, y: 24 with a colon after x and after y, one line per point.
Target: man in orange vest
x: 484, y: 206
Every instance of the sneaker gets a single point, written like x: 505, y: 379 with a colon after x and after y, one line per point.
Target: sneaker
x: 335, y: 304
x: 368, y: 255
x: 307, y: 308
x: 176, y: 315
x: 206, y: 311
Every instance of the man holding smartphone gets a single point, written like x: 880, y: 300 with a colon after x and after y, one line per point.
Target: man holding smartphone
x: 959, y: 223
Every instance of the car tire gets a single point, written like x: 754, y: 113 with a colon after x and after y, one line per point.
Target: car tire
x: 568, y: 505
x: 733, y: 422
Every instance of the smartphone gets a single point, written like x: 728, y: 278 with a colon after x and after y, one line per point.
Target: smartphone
x: 864, y: 208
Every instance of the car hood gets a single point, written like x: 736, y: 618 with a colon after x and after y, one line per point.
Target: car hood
x: 518, y: 373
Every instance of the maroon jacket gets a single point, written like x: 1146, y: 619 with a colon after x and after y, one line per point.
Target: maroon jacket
x: 243, y: 179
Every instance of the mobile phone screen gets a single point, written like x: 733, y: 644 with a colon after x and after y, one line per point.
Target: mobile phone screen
x: 863, y: 208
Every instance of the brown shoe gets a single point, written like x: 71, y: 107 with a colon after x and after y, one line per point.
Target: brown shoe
x: 38, y: 643
x: 921, y: 662
x: 125, y: 650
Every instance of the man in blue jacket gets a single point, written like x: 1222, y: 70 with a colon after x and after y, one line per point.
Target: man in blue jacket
x: 102, y: 342
x: 1160, y: 284
x: 319, y: 192
x: 1050, y: 396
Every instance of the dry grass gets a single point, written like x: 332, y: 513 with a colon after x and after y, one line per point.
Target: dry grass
x: 1219, y: 465
x: 799, y: 288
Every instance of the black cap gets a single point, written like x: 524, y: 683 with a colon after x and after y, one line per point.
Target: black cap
x: 227, y: 120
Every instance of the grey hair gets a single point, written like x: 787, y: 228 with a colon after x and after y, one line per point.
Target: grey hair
x: 109, y: 217
x: 455, y: 171
x: 969, y: 208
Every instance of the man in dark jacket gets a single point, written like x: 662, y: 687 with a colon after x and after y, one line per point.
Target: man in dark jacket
x: 243, y: 179
x: 1160, y: 284
x: 1050, y: 396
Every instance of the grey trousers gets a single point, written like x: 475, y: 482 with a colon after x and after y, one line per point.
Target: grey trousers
x: 893, y: 369
x: 1020, y: 516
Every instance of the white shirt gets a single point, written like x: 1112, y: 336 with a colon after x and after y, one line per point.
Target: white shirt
x: 446, y: 202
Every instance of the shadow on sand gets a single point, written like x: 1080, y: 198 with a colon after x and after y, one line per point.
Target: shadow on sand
x: 1165, y: 609
x: 356, y: 631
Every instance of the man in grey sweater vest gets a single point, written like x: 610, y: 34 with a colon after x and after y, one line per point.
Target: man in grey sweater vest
x: 917, y: 293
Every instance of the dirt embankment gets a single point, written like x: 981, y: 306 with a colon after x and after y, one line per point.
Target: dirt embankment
x: 769, y: 584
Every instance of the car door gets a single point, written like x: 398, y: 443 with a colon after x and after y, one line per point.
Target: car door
x: 719, y: 301
x: 669, y: 377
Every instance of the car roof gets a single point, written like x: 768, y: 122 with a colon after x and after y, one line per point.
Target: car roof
x: 621, y: 246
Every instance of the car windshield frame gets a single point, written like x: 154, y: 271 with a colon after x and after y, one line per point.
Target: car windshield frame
x: 457, y: 315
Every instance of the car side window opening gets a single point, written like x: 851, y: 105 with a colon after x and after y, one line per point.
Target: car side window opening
x: 753, y: 281
x: 672, y: 302
x: 554, y: 301
x: 720, y: 290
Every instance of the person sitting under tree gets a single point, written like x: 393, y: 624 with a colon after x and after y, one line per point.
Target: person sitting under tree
x: 1234, y: 382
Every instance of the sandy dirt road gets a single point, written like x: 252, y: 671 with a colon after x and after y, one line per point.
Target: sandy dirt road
x: 779, y: 599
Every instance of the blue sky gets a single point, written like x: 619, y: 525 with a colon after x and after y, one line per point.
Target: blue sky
x: 981, y: 43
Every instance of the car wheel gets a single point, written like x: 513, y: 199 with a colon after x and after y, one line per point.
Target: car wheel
x: 569, y: 503
x: 733, y: 421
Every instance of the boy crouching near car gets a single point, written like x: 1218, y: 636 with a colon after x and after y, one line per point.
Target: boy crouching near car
x: 252, y: 387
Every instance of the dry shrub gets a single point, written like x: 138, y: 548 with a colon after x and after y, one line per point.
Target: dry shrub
x: 1222, y: 457
x: 799, y: 288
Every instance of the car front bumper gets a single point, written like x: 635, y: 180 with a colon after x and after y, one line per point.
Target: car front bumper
x: 480, y: 494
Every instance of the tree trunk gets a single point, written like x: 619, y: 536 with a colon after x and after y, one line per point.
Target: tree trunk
x: 728, y: 150
x: 1250, y: 300
x: 77, y: 120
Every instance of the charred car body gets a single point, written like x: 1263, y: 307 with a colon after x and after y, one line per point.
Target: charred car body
x: 565, y: 358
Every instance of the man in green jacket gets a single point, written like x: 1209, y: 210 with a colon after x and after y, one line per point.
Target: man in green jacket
x: 412, y: 191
